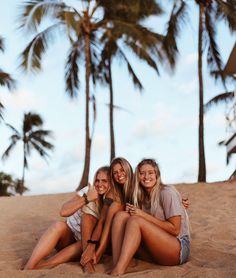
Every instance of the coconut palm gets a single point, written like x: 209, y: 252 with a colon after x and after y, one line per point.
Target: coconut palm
x: 117, y: 39
x: 33, y: 137
x: 84, y: 25
x: 210, y: 13
x: 5, y: 78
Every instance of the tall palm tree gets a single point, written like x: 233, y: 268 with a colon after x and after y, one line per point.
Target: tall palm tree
x: 210, y: 12
x: 116, y: 40
x: 5, y: 78
x: 83, y: 27
x: 33, y: 137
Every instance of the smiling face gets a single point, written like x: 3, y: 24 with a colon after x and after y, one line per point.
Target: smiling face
x: 147, y: 176
x: 102, y: 183
x: 119, y: 174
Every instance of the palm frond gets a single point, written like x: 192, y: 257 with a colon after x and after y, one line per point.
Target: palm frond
x: 118, y: 108
x: 72, y: 70
x: 7, y: 80
x: 32, y: 54
x: 136, y: 81
x: 34, y: 11
x: 13, y: 129
x: 40, y: 150
x: 1, y: 111
x: 14, y: 139
x: 132, y: 10
x: 213, y: 56
x: 177, y: 18
x: 2, y: 46
x: 69, y: 19
x: 38, y: 136
x: 143, y: 55
x: 30, y: 121
x: 226, y: 10
x: 221, y: 98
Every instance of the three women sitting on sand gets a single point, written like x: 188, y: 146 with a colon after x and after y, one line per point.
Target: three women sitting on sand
x: 142, y: 216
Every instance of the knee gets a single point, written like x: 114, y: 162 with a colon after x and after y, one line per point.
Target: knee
x: 134, y: 220
x: 59, y: 226
x: 121, y: 217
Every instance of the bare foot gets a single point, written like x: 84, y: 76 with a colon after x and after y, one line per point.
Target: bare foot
x: 116, y: 272
x: 89, y: 268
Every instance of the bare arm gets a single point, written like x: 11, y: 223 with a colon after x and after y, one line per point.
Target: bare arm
x: 171, y: 225
x: 89, y: 252
x: 77, y: 202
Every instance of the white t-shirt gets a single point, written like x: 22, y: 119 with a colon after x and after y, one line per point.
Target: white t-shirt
x: 74, y: 220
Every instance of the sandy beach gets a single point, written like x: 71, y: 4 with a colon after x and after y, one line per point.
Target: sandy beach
x: 213, y: 228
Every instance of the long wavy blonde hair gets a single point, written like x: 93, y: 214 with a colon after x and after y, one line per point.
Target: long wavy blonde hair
x: 106, y: 170
x: 122, y: 193
x: 139, y: 194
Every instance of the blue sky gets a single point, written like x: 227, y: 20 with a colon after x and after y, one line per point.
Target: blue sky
x: 162, y: 122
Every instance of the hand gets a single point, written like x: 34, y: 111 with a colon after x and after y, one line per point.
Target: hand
x: 185, y: 200
x: 185, y: 203
x: 97, y: 257
x: 132, y: 210
x: 88, y: 255
x: 92, y: 193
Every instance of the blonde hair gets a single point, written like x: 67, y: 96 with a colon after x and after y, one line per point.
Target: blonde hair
x: 139, y: 194
x: 122, y: 194
x: 106, y: 170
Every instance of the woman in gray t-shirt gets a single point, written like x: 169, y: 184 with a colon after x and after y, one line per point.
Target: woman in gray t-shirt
x: 155, y: 226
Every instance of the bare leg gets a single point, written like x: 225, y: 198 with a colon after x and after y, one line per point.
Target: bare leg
x: 114, y: 208
x: 164, y: 247
x: 88, y: 223
x: 57, y: 235
x: 118, y: 231
x: 67, y: 254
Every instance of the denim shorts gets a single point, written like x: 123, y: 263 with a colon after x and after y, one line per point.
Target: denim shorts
x: 185, y: 248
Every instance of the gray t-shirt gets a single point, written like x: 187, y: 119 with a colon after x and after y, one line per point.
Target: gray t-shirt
x: 170, y: 204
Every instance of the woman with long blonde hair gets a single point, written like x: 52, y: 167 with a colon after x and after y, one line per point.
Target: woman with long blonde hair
x: 156, y: 224
x: 84, y: 213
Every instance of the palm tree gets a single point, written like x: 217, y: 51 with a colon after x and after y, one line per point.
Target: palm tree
x: 83, y: 27
x: 210, y: 12
x: 5, y: 78
x: 8, y: 185
x: 33, y: 137
x: 116, y: 40
x: 6, y: 182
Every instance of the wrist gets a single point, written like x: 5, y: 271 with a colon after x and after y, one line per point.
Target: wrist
x: 94, y: 243
x: 86, y: 198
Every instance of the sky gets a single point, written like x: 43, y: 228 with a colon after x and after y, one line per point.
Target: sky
x: 161, y: 122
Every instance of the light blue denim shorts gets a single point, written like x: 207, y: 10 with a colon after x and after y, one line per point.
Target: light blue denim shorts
x: 185, y: 248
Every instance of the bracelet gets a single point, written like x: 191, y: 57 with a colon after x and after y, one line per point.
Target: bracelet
x: 96, y: 242
x: 86, y: 198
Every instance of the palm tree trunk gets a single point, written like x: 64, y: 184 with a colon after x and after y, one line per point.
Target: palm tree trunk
x: 111, y: 111
x: 85, y: 176
x: 22, y: 182
x: 202, y: 163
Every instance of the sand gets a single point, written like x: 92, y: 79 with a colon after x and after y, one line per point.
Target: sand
x: 213, y: 228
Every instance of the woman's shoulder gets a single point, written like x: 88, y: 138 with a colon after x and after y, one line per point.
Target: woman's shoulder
x: 168, y: 191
